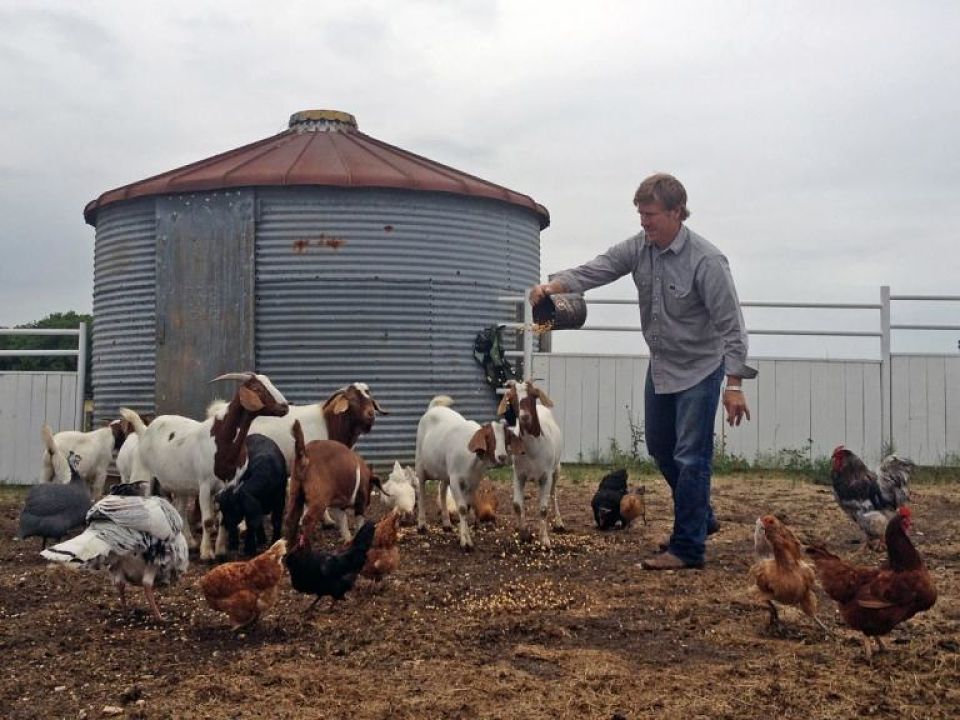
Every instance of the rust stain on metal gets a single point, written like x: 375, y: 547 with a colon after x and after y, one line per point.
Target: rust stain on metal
x: 322, y: 241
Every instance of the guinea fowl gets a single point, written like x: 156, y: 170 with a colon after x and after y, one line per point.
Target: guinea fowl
x: 138, y: 540
x: 314, y: 572
x: 53, y: 509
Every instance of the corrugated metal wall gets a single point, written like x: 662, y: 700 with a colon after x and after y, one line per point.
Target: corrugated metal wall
x: 124, y: 309
x: 389, y: 288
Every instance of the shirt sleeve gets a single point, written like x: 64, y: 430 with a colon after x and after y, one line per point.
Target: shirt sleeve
x: 720, y: 298
x: 616, y: 262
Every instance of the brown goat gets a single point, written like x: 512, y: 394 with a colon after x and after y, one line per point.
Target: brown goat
x: 325, y: 474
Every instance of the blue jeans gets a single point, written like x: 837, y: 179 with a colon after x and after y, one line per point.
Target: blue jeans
x: 679, y: 435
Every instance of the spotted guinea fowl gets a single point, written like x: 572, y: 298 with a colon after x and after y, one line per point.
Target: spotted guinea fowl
x: 138, y: 540
x: 53, y: 509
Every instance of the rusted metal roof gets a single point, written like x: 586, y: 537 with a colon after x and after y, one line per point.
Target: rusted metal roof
x: 321, y: 147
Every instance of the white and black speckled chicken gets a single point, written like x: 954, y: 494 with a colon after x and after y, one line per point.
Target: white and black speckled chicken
x: 870, y: 499
x: 53, y: 509
x: 138, y: 540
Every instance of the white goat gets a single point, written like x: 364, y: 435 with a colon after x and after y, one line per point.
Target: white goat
x: 194, y: 459
x: 456, y: 451
x: 94, y: 450
x: 543, y: 446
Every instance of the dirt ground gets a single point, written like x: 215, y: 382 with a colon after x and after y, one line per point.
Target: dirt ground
x: 509, y: 631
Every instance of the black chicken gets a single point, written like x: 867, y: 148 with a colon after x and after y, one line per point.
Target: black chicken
x: 606, y: 501
x: 320, y: 573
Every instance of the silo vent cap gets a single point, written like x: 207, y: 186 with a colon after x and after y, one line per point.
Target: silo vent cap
x: 322, y: 121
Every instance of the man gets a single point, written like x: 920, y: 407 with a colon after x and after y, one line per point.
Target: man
x: 691, y: 320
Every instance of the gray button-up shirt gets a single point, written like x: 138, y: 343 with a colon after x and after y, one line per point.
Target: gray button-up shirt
x: 689, y: 310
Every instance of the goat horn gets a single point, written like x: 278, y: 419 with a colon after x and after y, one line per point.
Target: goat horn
x: 234, y: 376
x: 376, y: 406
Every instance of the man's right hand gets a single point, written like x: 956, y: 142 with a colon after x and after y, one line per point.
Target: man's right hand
x: 539, y: 292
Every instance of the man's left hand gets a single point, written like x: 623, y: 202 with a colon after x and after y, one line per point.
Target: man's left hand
x: 735, y: 403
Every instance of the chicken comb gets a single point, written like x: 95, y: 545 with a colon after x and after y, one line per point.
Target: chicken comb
x: 905, y: 512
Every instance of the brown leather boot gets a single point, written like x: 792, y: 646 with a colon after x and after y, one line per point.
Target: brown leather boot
x: 666, y: 561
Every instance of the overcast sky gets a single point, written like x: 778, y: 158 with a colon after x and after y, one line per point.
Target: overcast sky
x: 818, y: 141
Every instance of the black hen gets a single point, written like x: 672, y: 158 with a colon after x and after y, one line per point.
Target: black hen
x: 320, y: 573
x: 606, y: 501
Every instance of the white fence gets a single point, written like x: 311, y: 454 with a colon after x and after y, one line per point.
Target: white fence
x: 803, y: 406
x: 30, y: 399
x: 807, y: 407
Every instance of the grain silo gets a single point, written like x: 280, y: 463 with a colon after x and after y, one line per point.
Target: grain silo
x: 319, y: 256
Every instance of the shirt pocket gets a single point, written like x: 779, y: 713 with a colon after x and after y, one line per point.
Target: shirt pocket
x: 679, y: 294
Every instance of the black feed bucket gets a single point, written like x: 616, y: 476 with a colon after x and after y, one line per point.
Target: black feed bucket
x: 566, y: 311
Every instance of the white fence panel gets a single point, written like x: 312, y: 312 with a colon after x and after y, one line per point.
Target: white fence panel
x: 807, y: 407
x: 925, y: 408
x: 27, y: 400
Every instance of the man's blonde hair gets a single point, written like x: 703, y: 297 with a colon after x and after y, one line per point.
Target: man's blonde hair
x: 666, y: 190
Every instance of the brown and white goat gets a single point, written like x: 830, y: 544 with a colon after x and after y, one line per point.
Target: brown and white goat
x: 325, y: 475
x: 543, y: 443
x: 456, y: 452
x: 348, y: 413
x: 194, y: 459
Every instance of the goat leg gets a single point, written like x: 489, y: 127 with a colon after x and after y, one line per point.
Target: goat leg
x: 558, y: 525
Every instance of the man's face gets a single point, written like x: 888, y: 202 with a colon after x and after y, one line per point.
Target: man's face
x: 660, y: 224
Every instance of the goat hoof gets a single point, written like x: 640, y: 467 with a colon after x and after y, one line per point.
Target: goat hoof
x: 559, y: 529
x: 421, y: 530
x: 467, y: 548
x: 525, y: 535
x: 448, y: 528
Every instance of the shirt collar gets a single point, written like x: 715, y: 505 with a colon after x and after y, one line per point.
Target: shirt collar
x: 676, y: 247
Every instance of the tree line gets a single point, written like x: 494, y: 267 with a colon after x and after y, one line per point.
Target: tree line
x: 57, y: 321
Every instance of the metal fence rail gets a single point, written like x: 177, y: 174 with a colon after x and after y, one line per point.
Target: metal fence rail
x: 884, y: 329
x: 80, y: 354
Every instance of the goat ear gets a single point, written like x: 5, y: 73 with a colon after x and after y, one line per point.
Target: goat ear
x: 504, y: 402
x: 396, y: 466
x: 250, y: 401
x: 547, y: 402
x: 478, y: 443
x: 341, y: 405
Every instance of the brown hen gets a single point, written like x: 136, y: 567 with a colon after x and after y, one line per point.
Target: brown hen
x: 874, y: 600
x: 383, y: 557
x: 245, y: 590
x: 783, y: 578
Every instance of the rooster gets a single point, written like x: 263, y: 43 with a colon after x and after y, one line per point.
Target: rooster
x: 320, y: 573
x: 874, y: 600
x: 869, y: 499
x: 383, y: 557
x: 785, y: 577
x: 245, y: 590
